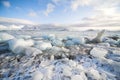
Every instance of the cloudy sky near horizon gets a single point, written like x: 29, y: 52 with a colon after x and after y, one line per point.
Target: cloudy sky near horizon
x: 78, y: 12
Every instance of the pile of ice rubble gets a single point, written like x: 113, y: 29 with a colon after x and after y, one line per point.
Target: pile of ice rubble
x: 52, y: 58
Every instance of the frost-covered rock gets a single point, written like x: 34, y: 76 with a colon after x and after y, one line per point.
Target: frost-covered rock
x: 43, y: 45
x: 5, y: 37
x: 37, y: 76
x: 98, y: 52
x: 18, y: 45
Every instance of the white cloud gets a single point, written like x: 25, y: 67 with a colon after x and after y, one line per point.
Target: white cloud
x: 6, y: 4
x: 100, y: 21
x: 77, y: 3
x: 106, y: 6
x: 56, y: 1
x: 105, y: 13
x: 50, y: 8
x: 32, y: 13
x: 13, y: 20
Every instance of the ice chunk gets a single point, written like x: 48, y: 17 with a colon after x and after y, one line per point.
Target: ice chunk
x: 43, y: 45
x: 65, y: 50
x: 18, y: 45
x: 93, y: 74
x: 72, y: 63
x: 98, y: 52
x: 104, y: 44
x: 57, y: 51
x: 38, y: 76
x: 49, y: 37
x: 67, y: 71
x: 69, y: 38
x: 99, y: 36
x: 69, y: 43
x: 57, y: 42
x: 31, y: 51
x: 111, y: 42
x: 5, y: 37
x: 77, y: 77
x: 76, y: 41
x: 54, y: 49
x: 118, y: 43
x: 48, y: 72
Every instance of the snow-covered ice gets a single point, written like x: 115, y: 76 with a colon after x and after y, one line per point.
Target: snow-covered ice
x: 59, y: 56
x: 98, y: 52
x: 43, y: 45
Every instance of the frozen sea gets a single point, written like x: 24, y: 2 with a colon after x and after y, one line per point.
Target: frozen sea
x: 81, y: 61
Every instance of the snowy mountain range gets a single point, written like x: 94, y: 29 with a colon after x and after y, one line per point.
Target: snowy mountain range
x: 17, y: 24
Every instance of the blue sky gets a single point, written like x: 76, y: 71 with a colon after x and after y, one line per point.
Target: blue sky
x: 34, y: 10
x: 62, y: 11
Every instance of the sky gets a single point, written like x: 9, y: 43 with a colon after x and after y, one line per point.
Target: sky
x: 93, y: 13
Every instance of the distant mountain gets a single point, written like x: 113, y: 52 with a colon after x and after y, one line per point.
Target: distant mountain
x: 8, y: 21
x: 13, y: 24
x: 45, y: 27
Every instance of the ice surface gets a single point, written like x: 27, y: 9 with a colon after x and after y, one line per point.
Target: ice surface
x: 43, y: 45
x: 101, y: 61
x: 31, y: 51
x: 24, y: 37
x: 70, y: 41
x: 49, y: 37
x: 57, y: 42
x: 5, y: 37
x: 18, y: 45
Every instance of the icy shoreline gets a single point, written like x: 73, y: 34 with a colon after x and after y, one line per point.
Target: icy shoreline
x: 47, y: 57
